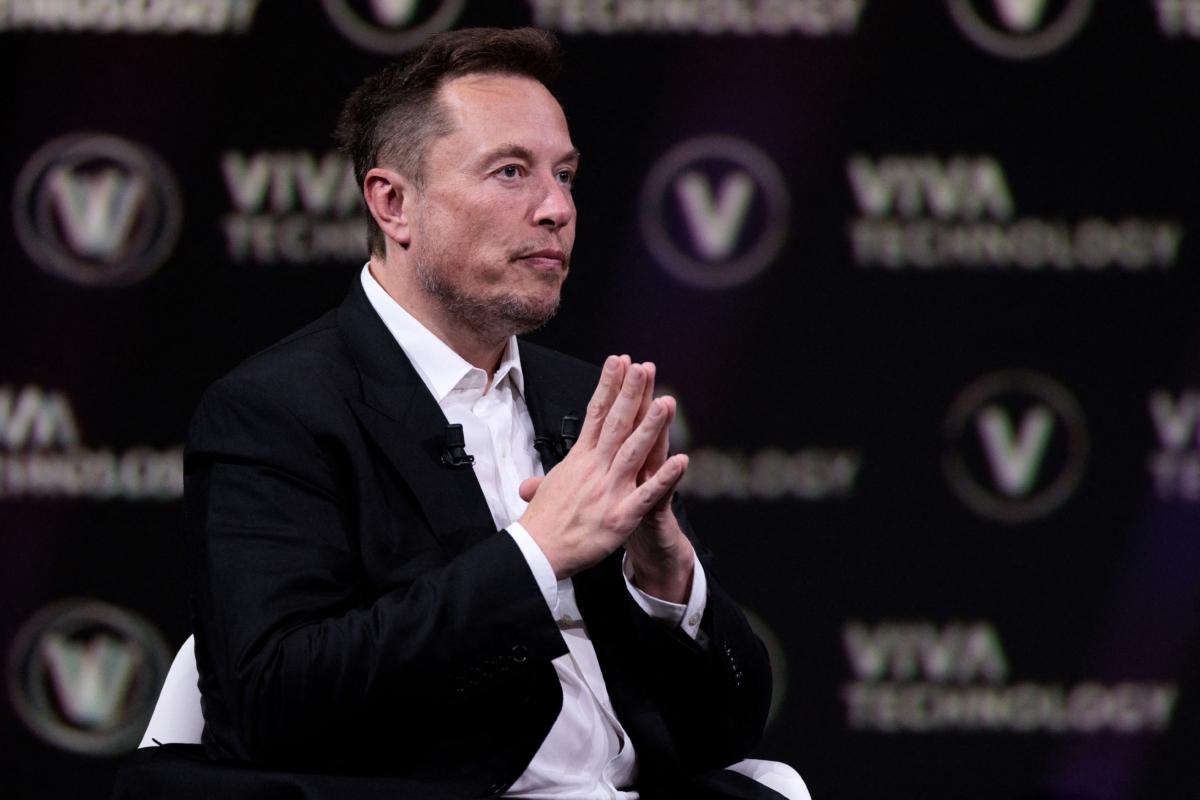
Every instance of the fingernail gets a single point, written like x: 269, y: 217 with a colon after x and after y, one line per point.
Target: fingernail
x: 610, y: 364
x: 655, y: 410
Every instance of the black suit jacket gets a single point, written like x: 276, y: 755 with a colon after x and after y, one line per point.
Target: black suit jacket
x: 357, y: 613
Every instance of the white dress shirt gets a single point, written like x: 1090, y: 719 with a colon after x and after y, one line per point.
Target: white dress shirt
x: 587, y: 754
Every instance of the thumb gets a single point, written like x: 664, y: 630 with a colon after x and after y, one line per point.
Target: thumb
x: 529, y: 487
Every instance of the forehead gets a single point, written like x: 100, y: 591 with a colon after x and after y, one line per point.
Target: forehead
x: 491, y: 109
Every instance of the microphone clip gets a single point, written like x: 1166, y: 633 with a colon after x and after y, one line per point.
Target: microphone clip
x: 454, y: 453
x: 556, y: 447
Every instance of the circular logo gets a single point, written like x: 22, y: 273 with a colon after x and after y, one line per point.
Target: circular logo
x: 1016, y: 446
x: 97, y: 210
x: 714, y: 211
x: 389, y: 27
x: 1020, y: 28
x: 84, y: 675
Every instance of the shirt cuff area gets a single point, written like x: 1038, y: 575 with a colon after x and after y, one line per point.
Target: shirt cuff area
x: 688, y: 616
x: 539, y: 565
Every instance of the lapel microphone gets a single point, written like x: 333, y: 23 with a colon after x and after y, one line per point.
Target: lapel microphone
x: 569, y: 432
x: 454, y: 453
x: 555, y: 448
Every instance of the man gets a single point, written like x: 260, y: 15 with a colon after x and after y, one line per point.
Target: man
x: 369, y: 602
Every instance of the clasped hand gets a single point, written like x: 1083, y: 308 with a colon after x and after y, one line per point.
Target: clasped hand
x: 614, y: 488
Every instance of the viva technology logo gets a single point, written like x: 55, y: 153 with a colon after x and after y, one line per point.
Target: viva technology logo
x: 83, y: 675
x: 1016, y: 445
x: 97, y: 210
x: 391, y: 26
x: 1174, y: 463
x: 714, y: 211
x: 922, y: 676
x: 1020, y: 29
x: 42, y: 456
x: 770, y: 474
x: 928, y: 212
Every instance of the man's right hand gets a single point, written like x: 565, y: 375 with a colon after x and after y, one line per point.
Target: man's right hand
x: 589, y: 504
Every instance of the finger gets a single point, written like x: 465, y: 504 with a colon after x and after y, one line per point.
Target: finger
x: 657, y: 488
x: 648, y: 392
x: 662, y: 445
x: 619, y: 420
x: 607, y: 387
x: 630, y: 460
x: 529, y: 487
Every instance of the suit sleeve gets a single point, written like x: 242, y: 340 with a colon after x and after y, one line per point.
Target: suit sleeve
x: 298, y: 654
x: 714, y: 699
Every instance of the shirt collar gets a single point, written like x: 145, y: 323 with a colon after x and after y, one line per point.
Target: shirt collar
x: 442, y: 369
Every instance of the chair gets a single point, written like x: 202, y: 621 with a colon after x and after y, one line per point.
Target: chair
x: 177, y: 719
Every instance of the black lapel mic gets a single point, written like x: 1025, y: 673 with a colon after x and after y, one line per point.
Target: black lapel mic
x: 569, y: 433
x: 454, y: 453
x: 555, y: 448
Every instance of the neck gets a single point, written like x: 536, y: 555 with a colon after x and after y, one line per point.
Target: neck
x: 476, y: 347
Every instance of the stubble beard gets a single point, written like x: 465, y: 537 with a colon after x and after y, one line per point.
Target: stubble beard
x: 493, y: 318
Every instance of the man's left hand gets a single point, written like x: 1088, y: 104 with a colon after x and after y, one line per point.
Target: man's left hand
x: 659, y: 552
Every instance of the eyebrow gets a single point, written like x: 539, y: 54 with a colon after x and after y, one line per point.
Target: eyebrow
x: 524, y: 153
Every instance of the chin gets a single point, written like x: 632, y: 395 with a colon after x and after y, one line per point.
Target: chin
x: 525, y: 315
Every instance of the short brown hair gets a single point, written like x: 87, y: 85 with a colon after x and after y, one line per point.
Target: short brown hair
x: 394, y: 116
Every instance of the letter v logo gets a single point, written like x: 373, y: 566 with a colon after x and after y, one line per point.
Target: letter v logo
x: 714, y: 211
x: 96, y: 211
x: 715, y: 222
x: 389, y: 27
x: 1015, y: 459
x: 1016, y: 446
x: 84, y: 675
x: 1021, y: 15
x: 1020, y: 28
x: 394, y: 12
x: 91, y: 679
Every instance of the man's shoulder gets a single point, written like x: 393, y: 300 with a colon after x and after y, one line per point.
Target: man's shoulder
x: 301, y: 369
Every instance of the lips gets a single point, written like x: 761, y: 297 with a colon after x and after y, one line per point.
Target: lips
x: 549, y: 252
x: 547, y: 258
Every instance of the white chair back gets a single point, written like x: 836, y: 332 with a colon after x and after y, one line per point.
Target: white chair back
x: 177, y: 717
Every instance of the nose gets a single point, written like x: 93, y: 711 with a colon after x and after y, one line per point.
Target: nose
x: 557, y: 206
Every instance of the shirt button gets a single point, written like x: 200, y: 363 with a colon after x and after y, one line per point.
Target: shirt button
x: 693, y: 620
x: 519, y: 653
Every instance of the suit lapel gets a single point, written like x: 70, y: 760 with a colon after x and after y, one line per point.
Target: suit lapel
x: 548, y: 398
x: 404, y: 421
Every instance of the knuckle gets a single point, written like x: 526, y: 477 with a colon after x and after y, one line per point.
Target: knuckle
x: 613, y: 519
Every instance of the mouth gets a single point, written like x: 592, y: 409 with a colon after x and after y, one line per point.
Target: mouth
x: 550, y: 259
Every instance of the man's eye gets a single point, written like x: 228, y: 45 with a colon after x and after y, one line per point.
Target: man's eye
x: 511, y: 171
x: 566, y: 177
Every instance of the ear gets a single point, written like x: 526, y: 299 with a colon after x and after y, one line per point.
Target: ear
x: 389, y: 197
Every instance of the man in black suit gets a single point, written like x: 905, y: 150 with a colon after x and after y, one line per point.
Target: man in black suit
x: 377, y: 615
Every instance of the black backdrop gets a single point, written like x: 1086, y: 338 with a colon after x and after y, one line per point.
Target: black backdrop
x: 922, y: 276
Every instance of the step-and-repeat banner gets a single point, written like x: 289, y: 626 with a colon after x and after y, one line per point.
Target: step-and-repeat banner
x: 923, y: 276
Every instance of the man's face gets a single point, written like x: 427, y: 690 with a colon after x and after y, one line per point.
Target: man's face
x: 493, y: 226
